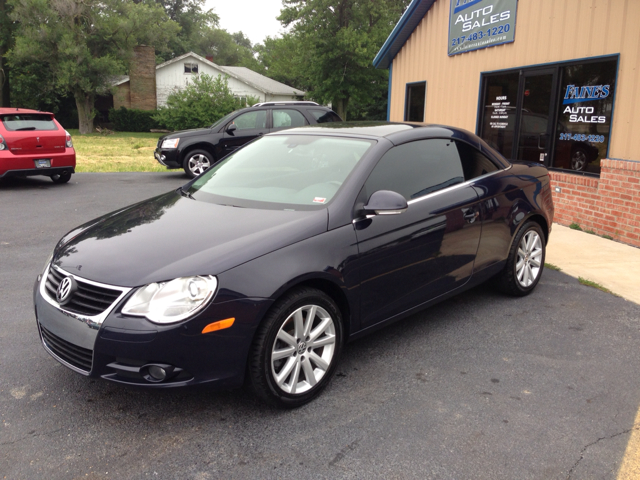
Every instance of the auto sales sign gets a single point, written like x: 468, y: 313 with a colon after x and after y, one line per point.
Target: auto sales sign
x: 475, y: 24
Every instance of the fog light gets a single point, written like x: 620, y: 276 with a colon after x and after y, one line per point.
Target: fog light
x: 157, y: 373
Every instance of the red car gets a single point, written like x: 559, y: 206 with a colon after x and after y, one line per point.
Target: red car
x: 34, y: 143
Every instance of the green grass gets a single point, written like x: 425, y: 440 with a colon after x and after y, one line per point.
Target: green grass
x: 551, y: 266
x: 117, y: 152
x: 576, y: 226
x: 589, y: 283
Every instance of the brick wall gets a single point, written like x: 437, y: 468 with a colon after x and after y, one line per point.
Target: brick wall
x: 142, y: 76
x: 609, y: 205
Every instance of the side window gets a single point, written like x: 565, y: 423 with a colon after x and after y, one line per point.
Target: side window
x: 417, y: 168
x: 324, y: 116
x: 251, y: 120
x: 288, y: 119
x: 474, y: 163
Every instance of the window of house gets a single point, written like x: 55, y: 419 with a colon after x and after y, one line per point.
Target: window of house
x: 415, y: 102
x: 190, y: 68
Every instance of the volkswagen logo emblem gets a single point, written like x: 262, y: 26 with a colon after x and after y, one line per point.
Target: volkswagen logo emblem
x: 65, y: 290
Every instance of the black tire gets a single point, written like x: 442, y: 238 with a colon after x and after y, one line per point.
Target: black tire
x: 311, y: 368
x: 63, y: 177
x: 197, y: 162
x: 525, y: 262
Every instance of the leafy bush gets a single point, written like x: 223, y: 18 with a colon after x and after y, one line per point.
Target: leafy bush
x: 203, y: 101
x: 131, y: 120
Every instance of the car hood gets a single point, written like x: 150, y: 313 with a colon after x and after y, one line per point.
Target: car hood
x: 171, y: 236
x: 187, y: 133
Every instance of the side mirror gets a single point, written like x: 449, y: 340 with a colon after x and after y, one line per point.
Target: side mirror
x: 232, y: 128
x: 385, y: 202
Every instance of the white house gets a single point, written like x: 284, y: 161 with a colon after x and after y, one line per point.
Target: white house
x: 177, y: 72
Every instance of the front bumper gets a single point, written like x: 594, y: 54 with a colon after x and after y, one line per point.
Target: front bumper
x: 167, y: 157
x: 121, y: 348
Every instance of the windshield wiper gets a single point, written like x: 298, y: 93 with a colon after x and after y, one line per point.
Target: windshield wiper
x: 25, y: 128
x: 185, y: 193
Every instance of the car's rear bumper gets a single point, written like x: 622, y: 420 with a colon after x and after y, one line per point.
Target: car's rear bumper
x: 37, y: 171
x: 25, y: 165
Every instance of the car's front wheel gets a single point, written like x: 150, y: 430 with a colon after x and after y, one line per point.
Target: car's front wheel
x: 525, y: 262
x: 63, y: 177
x: 197, y: 162
x: 296, y: 349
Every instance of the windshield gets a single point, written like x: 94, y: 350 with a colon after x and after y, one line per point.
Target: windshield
x: 283, y: 171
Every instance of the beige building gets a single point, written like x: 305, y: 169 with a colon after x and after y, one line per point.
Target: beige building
x: 548, y: 81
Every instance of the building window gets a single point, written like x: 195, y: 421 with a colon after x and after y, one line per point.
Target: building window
x: 190, y: 68
x: 415, y: 102
x: 559, y: 115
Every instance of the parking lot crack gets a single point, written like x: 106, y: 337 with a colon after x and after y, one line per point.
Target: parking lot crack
x: 43, y: 434
x: 586, y: 447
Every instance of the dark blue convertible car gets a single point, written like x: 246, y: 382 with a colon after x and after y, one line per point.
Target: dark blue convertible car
x: 260, y: 269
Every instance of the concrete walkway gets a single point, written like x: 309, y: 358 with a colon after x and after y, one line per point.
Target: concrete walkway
x: 613, y: 265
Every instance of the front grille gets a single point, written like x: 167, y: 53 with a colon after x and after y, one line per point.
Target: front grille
x: 88, y: 299
x: 79, y: 357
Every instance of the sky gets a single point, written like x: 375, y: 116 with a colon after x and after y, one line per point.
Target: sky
x: 255, y: 18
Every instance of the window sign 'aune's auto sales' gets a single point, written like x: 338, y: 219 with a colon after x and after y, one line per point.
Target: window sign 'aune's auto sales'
x: 475, y: 24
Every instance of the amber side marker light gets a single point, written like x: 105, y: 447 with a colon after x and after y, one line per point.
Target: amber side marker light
x: 219, y: 325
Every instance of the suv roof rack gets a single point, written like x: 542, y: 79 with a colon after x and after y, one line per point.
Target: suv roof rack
x: 285, y: 102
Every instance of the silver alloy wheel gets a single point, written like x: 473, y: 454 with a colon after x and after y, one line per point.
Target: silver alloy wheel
x: 578, y: 160
x: 198, y: 164
x: 529, y: 261
x: 303, y: 349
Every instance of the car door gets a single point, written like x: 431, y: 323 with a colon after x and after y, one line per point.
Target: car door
x: 408, y: 259
x: 249, y: 125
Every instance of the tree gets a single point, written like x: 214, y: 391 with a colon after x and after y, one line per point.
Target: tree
x: 200, y: 33
x: 82, y: 44
x: 203, y: 101
x: 7, y: 27
x: 340, y: 39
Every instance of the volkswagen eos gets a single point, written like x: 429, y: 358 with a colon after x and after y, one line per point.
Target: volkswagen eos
x: 259, y: 270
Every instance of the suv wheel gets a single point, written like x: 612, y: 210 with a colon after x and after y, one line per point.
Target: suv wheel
x: 197, y: 162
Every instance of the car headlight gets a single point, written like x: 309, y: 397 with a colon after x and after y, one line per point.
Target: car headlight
x: 170, y: 143
x: 172, y: 301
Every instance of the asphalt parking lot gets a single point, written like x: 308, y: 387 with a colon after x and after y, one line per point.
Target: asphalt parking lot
x: 480, y: 386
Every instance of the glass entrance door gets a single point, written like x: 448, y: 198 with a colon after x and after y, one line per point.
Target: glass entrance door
x: 518, y: 113
x: 536, y: 118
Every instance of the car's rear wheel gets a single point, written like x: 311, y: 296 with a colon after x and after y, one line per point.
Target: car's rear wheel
x: 525, y: 262
x: 197, y: 162
x: 63, y: 177
x: 296, y: 349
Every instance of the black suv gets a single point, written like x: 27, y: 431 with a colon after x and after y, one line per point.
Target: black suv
x: 197, y: 150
